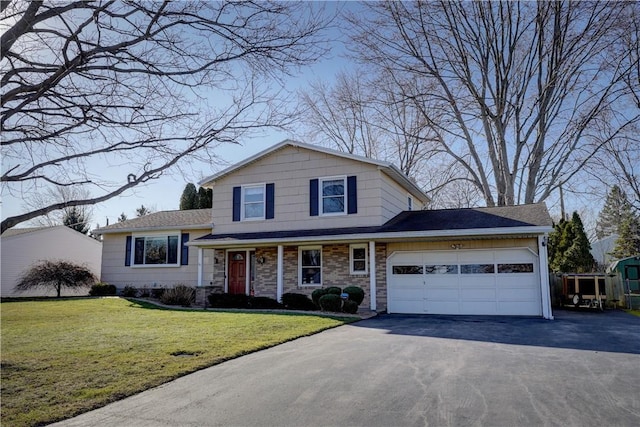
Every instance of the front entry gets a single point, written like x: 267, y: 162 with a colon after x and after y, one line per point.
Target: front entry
x: 237, y: 272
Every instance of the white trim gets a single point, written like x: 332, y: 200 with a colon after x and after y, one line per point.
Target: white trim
x: 178, y: 262
x: 262, y: 185
x: 200, y: 266
x: 394, y: 236
x: 547, y: 312
x: 372, y: 276
x: 309, y: 248
x: 280, y: 273
x: 353, y: 246
x: 247, y: 268
x: 152, y: 229
x: 321, y: 180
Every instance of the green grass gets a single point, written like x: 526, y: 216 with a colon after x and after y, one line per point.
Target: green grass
x: 634, y: 312
x: 62, y: 358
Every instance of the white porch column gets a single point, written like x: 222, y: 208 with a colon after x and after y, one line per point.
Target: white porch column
x: 280, y: 273
x: 372, y: 275
x: 544, y: 277
x: 200, y: 266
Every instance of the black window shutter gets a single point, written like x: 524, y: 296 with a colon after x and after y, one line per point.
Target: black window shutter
x: 127, y: 252
x: 313, y: 197
x: 352, y: 195
x: 270, y: 196
x: 184, y: 254
x: 236, y: 203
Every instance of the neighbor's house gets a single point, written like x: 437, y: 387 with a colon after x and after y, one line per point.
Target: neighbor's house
x: 297, y: 217
x: 20, y: 248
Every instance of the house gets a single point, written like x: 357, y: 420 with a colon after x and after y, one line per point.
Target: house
x: 20, y: 248
x: 296, y: 217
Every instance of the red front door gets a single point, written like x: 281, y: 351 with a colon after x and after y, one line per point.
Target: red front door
x: 237, y: 273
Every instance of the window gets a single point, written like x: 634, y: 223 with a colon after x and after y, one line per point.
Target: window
x: 515, y: 268
x: 358, y: 259
x: 477, y: 269
x: 332, y: 195
x: 253, y: 198
x: 409, y: 203
x: 156, y: 250
x: 441, y: 269
x: 407, y: 269
x: 310, y: 262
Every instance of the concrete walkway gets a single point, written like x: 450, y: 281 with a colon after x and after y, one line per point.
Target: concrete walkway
x: 580, y: 370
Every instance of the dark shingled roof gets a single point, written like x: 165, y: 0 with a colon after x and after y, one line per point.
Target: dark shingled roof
x: 534, y: 215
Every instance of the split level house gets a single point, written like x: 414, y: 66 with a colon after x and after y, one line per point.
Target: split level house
x: 297, y: 217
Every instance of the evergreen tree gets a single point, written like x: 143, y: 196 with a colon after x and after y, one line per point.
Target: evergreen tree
x: 205, y: 198
x: 616, y: 209
x: 628, y: 242
x: 142, y: 211
x: 122, y: 217
x: 189, y: 198
x: 73, y: 218
x: 569, y: 248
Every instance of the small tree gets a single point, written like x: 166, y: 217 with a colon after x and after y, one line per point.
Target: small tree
x: 122, y: 217
x: 56, y: 275
x: 73, y: 218
x: 189, y: 198
x: 570, y: 250
x: 142, y: 211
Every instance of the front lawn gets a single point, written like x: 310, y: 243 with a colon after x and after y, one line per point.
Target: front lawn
x: 61, y: 358
x: 634, y: 312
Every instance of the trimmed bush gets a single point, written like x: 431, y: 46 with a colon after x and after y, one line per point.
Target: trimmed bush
x: 316, y: 294
x: 264, y: 303
x: 331, y: 302
x: 355, y: 294
x: 129, y: 292
x: 293, y: 301
x: 102, y: 289
x: 157, y: 293
x: 228, y: 301
x: 350, y: 306
x: 334, y: 290
x: 180, y: 295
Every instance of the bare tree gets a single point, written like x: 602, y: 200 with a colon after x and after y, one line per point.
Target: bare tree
x: 53, y: 195
x: 527, y: 93
x: 138, y: 86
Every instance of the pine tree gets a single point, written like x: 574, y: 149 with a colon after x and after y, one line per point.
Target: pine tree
x: 615, y: 210
x: 122, y: 217
x: 205, y: 198
x: 628, y: 242
x: 73, y: 218
x: 189, y: 198
x: 142, y: 211
x: 569, y: 247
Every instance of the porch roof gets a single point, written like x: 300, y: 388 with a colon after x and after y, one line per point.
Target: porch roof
x: 474, y: 222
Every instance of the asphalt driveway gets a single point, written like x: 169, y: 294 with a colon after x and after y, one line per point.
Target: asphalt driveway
x: 582, y: 369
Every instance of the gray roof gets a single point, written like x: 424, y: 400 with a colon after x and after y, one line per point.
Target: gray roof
x: 184, y: 220
x: 503, y: 219
x: 16, y: 231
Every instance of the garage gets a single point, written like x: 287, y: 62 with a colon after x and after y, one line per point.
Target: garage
x: 475, y: 282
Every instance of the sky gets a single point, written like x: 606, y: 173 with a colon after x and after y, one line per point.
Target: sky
x: 164, y: 193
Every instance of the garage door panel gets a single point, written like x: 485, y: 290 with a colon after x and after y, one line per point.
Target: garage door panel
x: 479, y: 294
x: 442, y: 294
x: 442, y: 307
x: 519, y: 308
x: 479, y: 307
x: 414, y: 306
x: 517, y: 295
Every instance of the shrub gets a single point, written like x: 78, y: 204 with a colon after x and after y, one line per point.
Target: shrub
x: 157, y: 292
x: 355, y: 294
x: 316, y: 294
x: 228, y: 301
x: 129, y: 292
x: 101, y: 289
x: 144, y: 293
x: 293, y: 301
x: 56, y: 275
x: 331, y: 302
x: 180, y: 295
x: 334, y: 290
x: 350, y: 306
x: 264, y: 303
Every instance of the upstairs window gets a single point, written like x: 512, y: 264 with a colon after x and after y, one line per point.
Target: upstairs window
x: 156, y: 250
x: 253, y: 202
x: 333, y: 195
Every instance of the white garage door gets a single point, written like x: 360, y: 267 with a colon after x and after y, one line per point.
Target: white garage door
x: 485, y: 282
